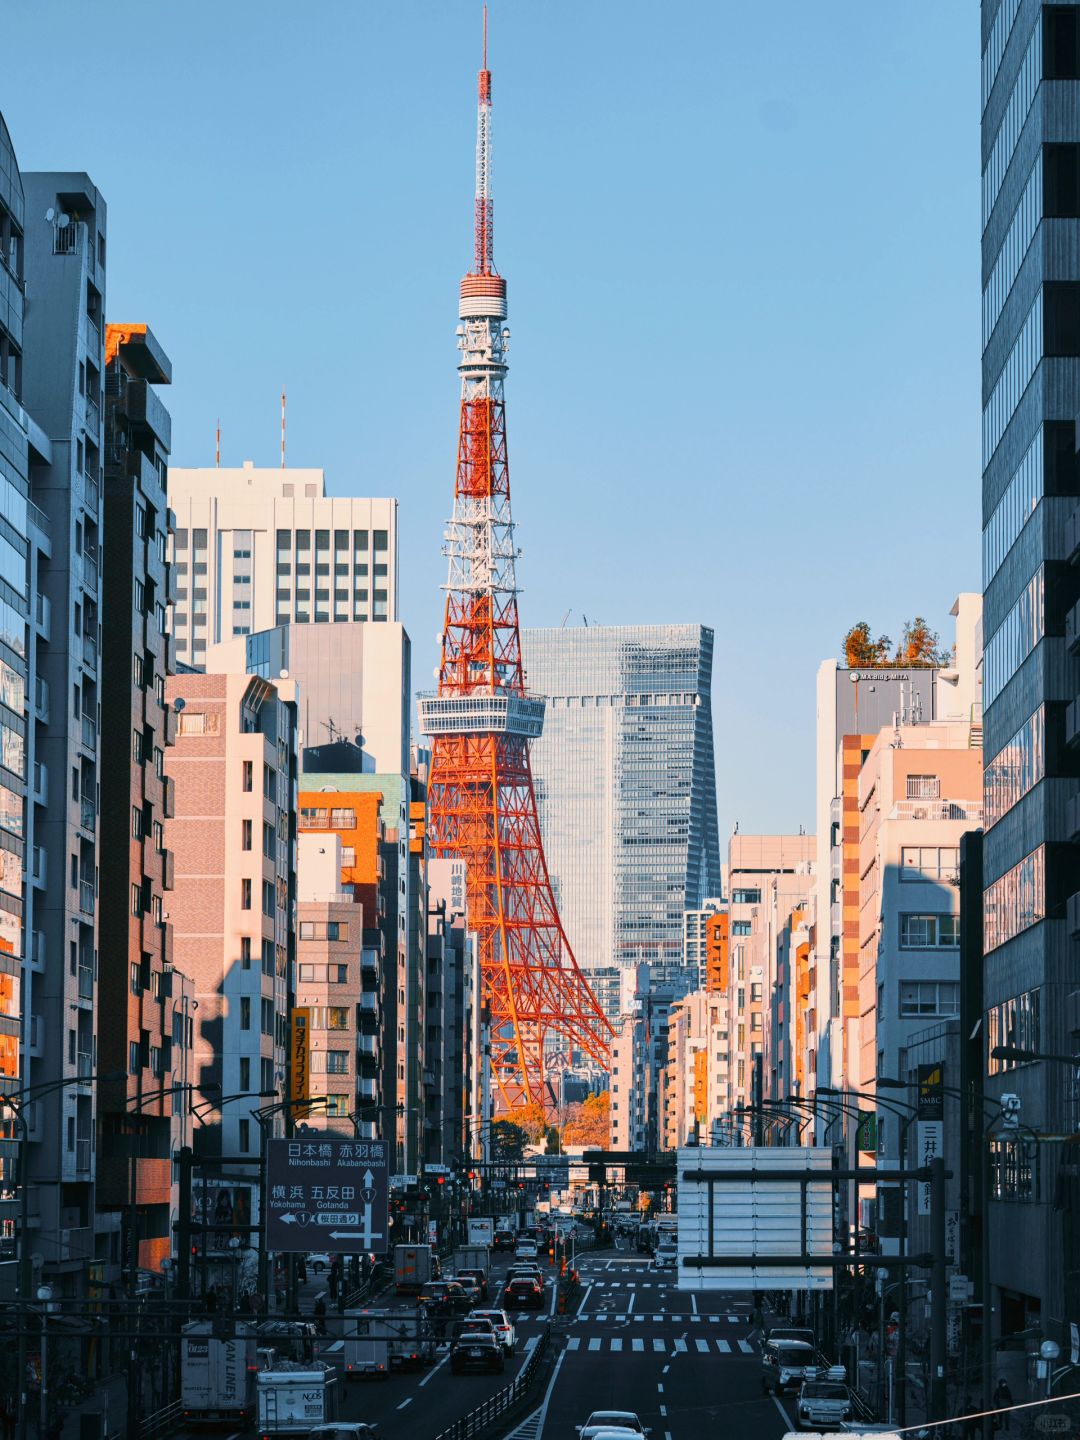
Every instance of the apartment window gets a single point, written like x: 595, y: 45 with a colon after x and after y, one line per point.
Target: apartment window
x: 140, y: 597
x: 245, y: 893
x: 268, y: 957
x: 929, y: 932
x: 133, y: 1057
x: 755, y: 992
x: 1016, y: 1022
x: 269, y: 841
x: 245, y: 1135
x: 755, y: 1020
x: 267, y: 1017
x: 137, y: 747
x: 930, y: 862
x: 1016, y: 768
x: 1016, y: 901
x: 245, y: 952
x: 266, y: 1074
x: 136, y: 899
x: 268, y: 898
x: 136, y: 978
x: 245, y: 1012
x: 746, y: 897
x: 245, y: 834
x: 339, y: 974
x: 741, y: 927
x: 1014, y: 1169
x: 159, y: 763
x: 337, y: 1017
x: 136, y: 822
x: 337, y: 1062
x: 245, y: 1073
x: 929, y: 998
x: 923, y: 787
x: 249, y: 775
x: 336, y: 1105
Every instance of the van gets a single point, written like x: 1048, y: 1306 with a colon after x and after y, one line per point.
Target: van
x: 785, y: 1365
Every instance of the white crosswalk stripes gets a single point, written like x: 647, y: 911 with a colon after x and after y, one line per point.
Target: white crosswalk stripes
x: 616, y: 1345
x: 637, y: 1343
x: 680, y: 1346
x: 703, y: 1346
x: 723, y: 1347
x: 659, y: 1345
x: 746, y: 1347
x: 595, y: 1343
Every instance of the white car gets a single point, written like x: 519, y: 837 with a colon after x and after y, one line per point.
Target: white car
x: 665, y: 1257
x: 526, y: 1250
x: 318, y: 1263
x: 502, y: 1325
x: 823, y: 1405
x: 624, y: 1421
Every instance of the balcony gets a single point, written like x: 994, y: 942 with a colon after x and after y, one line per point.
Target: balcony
x: 43, y: 615
x: 86, y: 897
x: 367, y: 1045
x: 41, y: 699
x: 84, y: 1064
x: 144, y: 408
x: 90, y: 574
x: 89, y: 732
x: 1072, y: 817
x: 1072, y: 629
x: 88, y: 813
x: 367, y: 1089
x: 167, y: 944
x: 170, y: 725
x: 168, y: 870
x: 968, y: 810
x: 93, y: 419
x: 82, y: 1156
x: 369, y: 1004
x: 93, y: 334
x: 38, y: 517
x: 90, y: 492
x: 89, y: 651
x: 86, y: 982
x: 1072, y: 537
x: 41, y: 783
x: 168, y: 797
x: 1072, y: 912
x: 1072, y: 722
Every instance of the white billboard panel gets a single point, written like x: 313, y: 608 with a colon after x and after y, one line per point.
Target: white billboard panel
x: 754, y: 1216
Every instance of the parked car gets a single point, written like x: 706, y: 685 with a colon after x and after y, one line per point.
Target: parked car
x: 524, y: 1293
x: 625, y: 1420
x: 502, y: 1325
x: 476, y: 1350
x: 823, y: 1405
x: 319, y: 1262
x: 784, y: 1364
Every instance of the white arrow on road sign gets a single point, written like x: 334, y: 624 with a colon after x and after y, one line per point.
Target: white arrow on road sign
x: 367, y: 1236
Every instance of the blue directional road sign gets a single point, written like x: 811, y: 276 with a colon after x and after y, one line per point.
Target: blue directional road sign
x: 323, y: 1193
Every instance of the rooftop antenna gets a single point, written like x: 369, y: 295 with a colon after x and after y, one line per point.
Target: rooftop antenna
x: 283, y: 427
x: 217, y: 446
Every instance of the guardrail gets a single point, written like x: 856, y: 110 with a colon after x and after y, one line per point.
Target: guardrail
x: 161, y: 1422
x: 500, y: 1404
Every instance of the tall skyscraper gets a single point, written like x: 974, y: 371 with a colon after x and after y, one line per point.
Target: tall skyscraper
x: 255, y: 548
x: 626, y: 785
x: 1031, y: 481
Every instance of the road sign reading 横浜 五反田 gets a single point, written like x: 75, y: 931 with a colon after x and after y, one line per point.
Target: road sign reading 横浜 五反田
x: 323, y: 1193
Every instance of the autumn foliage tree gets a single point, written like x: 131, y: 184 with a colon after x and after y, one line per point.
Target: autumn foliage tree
x: 590, y: 1122
x: 534, y: 1122
x: 919, y: 646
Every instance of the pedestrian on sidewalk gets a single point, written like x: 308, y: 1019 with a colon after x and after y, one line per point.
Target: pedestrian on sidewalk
x: 334, y: 1273
x: 1003, y: 1401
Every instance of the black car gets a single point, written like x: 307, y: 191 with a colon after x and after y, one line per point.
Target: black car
x: 476, y: 1349
x: 444, y: 1298
x: 525, y: 1294
x: 504, y: 1240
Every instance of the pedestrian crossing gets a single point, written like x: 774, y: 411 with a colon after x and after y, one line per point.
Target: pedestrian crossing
x: 657, y: 1345
x: 632, y: 1318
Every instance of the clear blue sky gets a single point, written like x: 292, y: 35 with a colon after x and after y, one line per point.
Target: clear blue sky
x: 741, y: 242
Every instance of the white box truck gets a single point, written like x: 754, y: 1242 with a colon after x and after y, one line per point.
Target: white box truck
x: 413, y: 1268
x: 378, y: 1342
x: 217, y: 1375
x: 294, y: 1398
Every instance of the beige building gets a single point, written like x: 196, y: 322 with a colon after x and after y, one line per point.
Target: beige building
x: 920, y: 789
x: 232, y: 908
x: 697, y: 1080
x: 257, y: 548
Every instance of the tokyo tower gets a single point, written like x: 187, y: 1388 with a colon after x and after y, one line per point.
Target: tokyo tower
x: 481, y: 798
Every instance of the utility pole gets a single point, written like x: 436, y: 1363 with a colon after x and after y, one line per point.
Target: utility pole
x: 938, y: 1299
x: 756, y: 1096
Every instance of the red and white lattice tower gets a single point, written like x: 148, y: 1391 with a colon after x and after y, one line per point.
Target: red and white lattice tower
x: 481, y: 798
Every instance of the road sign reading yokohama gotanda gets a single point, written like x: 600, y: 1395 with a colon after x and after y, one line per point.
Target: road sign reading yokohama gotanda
x: 326, y: 1194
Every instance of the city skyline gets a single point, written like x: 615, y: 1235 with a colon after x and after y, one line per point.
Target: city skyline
x: 780, y: 494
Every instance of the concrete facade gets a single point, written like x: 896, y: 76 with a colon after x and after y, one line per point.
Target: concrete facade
x: 256, y: 548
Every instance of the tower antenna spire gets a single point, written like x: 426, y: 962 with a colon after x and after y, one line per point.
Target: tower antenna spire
x: 484, y: 247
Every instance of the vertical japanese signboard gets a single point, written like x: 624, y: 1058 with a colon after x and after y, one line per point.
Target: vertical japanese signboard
x: 930, y: 1123
x: 300, y: 1055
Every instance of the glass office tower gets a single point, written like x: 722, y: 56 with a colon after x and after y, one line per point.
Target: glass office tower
x: 626, y: 785
x: 1031, y: 484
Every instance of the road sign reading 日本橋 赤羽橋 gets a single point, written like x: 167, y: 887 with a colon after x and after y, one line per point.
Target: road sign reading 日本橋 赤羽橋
x: 755, y: 1218
x: 326, y: 1194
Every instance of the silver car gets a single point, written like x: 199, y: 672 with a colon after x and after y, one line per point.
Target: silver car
x: 601, y: 1420
x: 823, y: 1405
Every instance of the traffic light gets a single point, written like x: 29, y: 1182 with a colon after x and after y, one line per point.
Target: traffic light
x: 440, y: 1180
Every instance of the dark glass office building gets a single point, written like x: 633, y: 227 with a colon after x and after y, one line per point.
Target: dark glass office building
x: 1031, y: 578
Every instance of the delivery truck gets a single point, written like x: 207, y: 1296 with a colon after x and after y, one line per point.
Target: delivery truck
x: 378, y: 1342
x: 294, y: 1398
x: 217, y: 1374
x: 413, y: 1268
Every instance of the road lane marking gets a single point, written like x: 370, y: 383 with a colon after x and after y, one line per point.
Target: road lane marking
x: 734, y: 1319
x: 595, y: 1343
x: 703, y: 1346
x: 547, y: 1396
x: 531, y: 1343
x: 665, y: 1370
x: 637, y: 1344
x: 746, y: 1347
x: 616, y: 1346
x: 659, y: 1388
x: 723, y: 1347
x: 405, y: 1402
x: 633, y: 1297
x: 432, y: 1373
x: 663, y: 1411
x: 680, y: 1345
x: 695, y: 1319
x: 584, y: 1300
x: 788, y: 1422
x: 693, y: 1302
x: 574, y: 1342
x: 714, y: 1319
x: 554, y: 1297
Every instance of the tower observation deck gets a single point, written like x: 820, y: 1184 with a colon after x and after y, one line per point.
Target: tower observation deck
x: 481, y: 719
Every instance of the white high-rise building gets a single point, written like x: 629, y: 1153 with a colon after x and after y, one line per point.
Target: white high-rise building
x: 257, y: 548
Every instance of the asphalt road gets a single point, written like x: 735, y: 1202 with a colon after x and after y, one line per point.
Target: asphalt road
x: 684, y: 1363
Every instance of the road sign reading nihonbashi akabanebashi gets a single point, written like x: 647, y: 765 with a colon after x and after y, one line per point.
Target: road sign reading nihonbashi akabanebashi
x: 326, y: 1194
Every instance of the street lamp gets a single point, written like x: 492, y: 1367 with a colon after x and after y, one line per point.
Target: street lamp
x: 44, y: 1295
